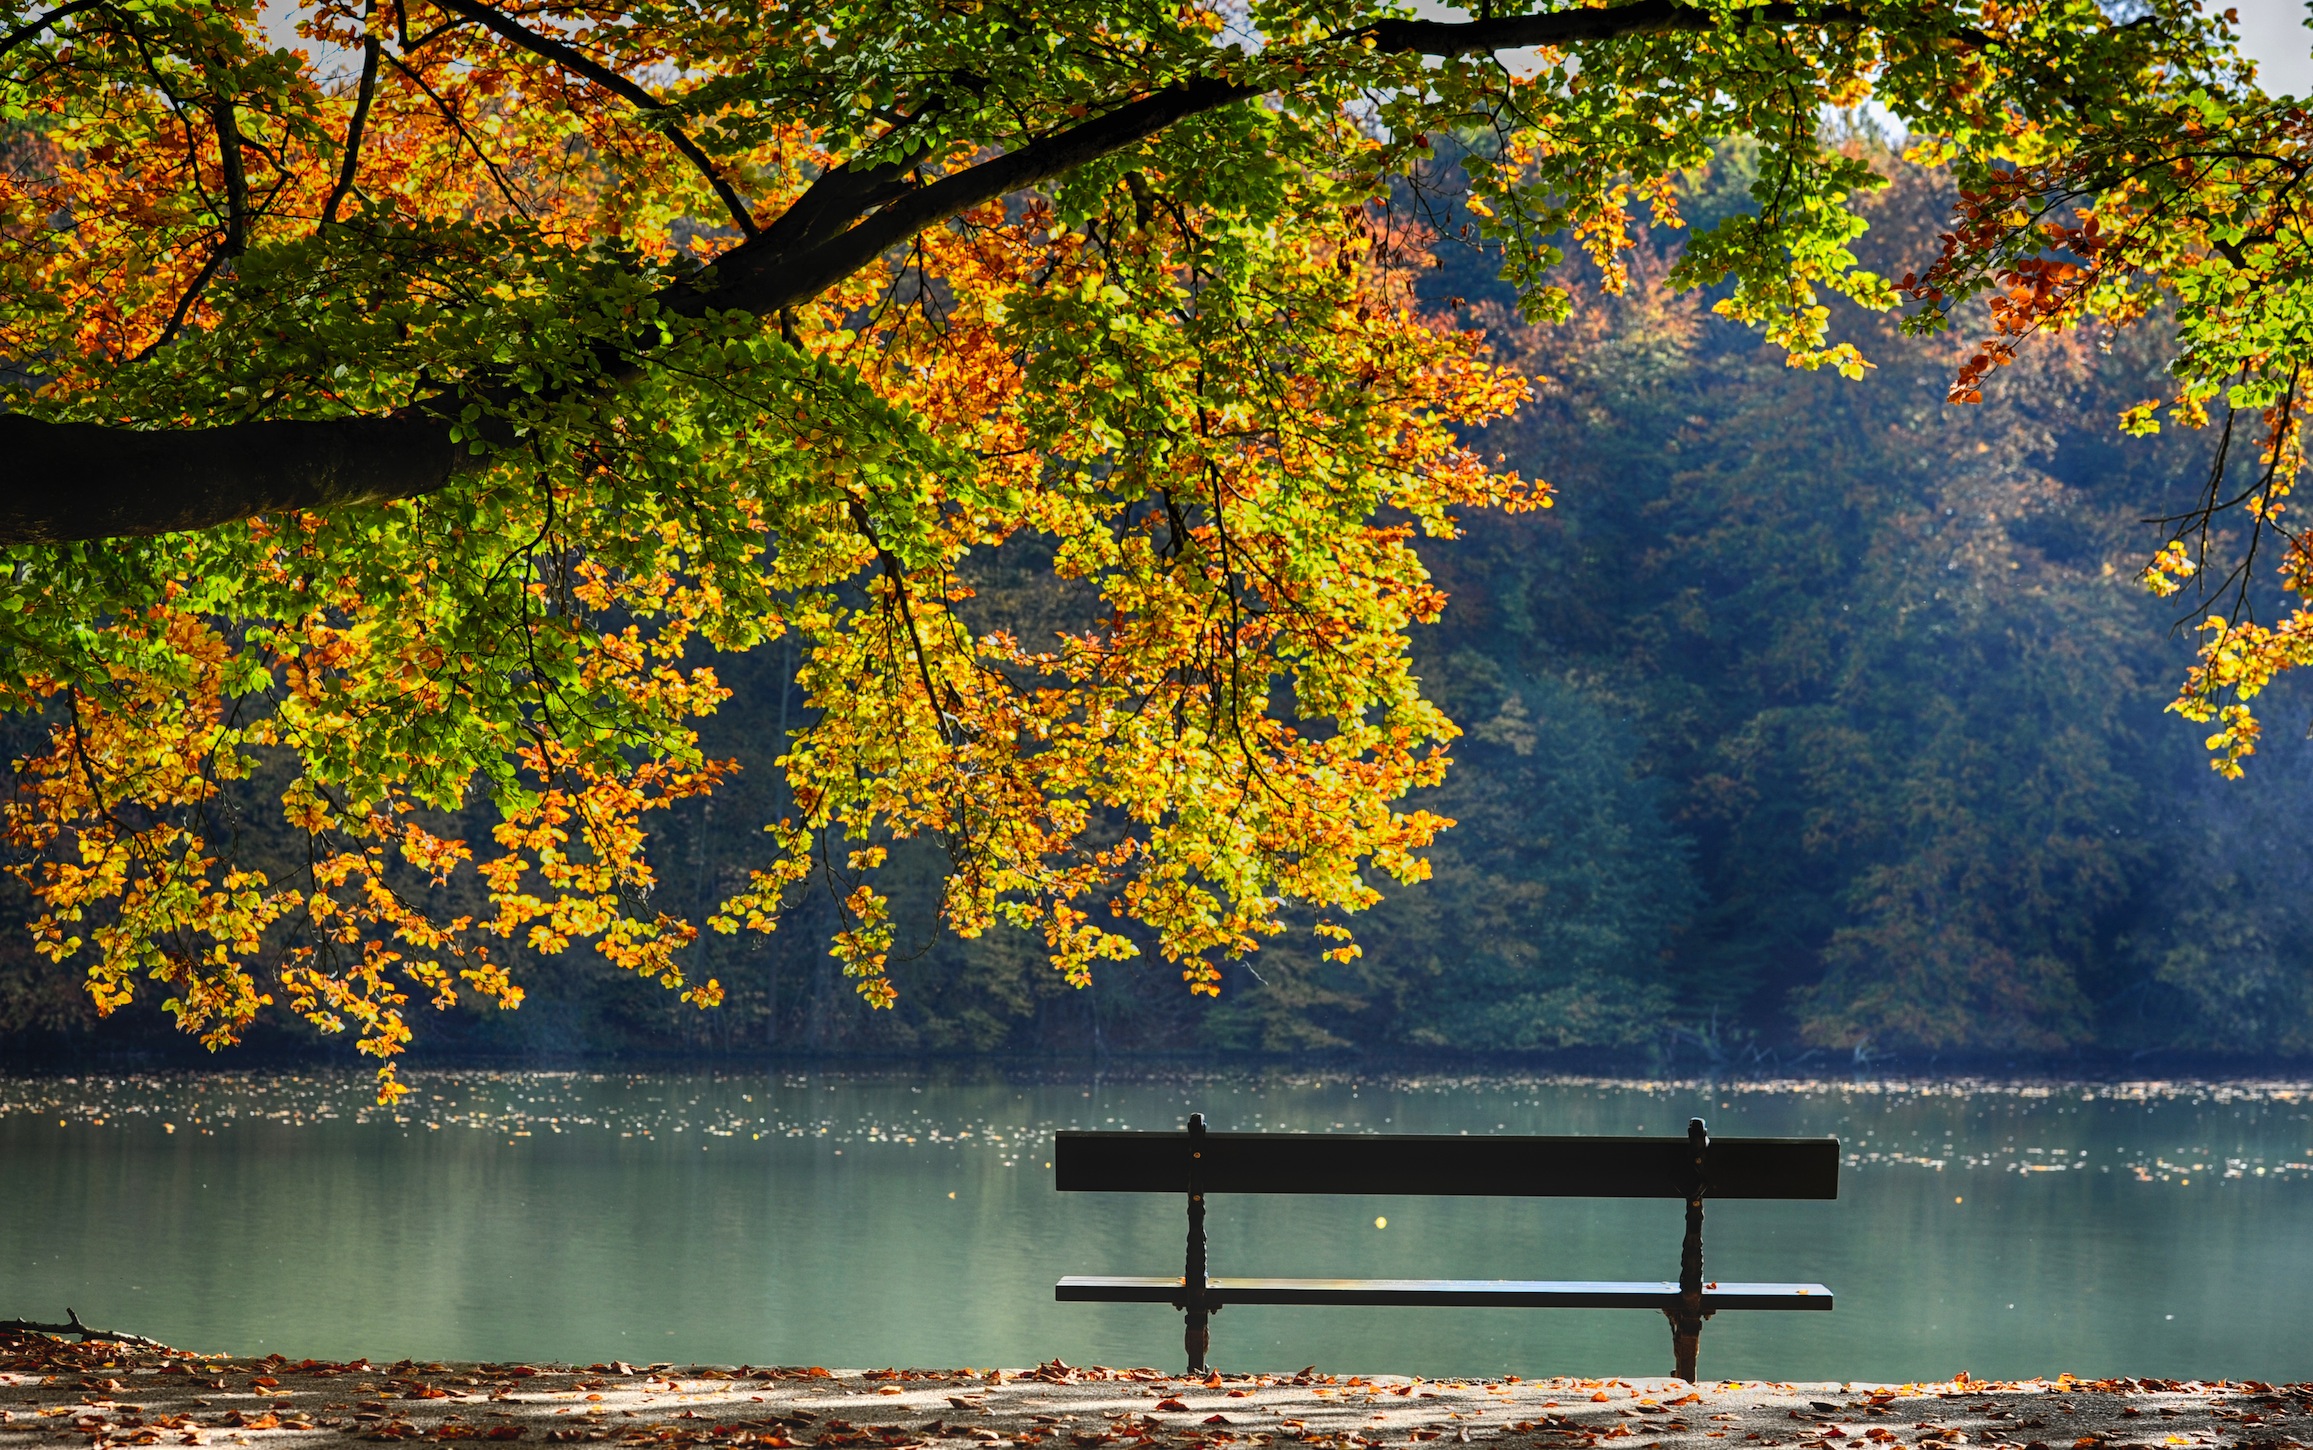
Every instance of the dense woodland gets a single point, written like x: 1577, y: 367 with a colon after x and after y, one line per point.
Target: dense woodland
x: 1818, y: 718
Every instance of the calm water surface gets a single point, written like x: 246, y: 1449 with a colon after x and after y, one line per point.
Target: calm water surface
x: 863, y: 1220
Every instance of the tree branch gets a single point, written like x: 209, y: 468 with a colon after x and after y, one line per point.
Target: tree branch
x: 236, y: 180
x: 38, y: 23
x: 571, y: 59
x: 762, y: 276
x: 451, y: 118
x: 1567, y: 26
x: 185, y: 301
x: 839, y: 197
x: 370, y: 51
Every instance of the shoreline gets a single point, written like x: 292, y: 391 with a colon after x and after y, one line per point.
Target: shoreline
x: 2113, y: 1073
x: 95, y: 1395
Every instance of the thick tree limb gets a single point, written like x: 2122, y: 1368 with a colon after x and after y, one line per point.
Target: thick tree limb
x: 74, y: 1326
x: 70, y: 481
x: 839, y: 197
x: 65, y: 481
x: 762, y: 276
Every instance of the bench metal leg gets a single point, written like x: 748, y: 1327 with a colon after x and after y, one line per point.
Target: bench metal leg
x: 1687, y: 1320
x: 1686, y: 1338
x: 1196, y: 1338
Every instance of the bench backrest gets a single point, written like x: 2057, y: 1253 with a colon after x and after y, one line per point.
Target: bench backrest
x: 1407, y: 1163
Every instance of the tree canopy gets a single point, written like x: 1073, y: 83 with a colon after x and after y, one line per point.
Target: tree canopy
x: 399, y: 429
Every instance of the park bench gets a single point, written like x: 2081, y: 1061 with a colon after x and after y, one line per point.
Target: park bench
x: 1197, y: 1162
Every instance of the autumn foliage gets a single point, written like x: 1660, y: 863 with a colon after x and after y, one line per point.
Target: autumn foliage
x: 1226, y: 437
x: 336, y: 758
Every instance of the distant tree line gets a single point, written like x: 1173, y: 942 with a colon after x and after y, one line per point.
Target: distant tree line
x: 1818, y: 717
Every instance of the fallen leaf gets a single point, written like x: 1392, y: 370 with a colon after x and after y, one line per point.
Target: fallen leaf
x: 1171, y: 1404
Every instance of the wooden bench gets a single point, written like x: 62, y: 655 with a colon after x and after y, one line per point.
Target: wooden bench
x: 1694, y: 1168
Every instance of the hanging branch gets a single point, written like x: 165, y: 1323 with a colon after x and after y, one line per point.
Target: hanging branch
x: 571, y: 59
x: 236, y: 180
x: 451, y: 118
x: 185, y: 301
x: 370, y: 51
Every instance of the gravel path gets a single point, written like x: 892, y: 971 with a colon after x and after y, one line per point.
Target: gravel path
x: 97, y: 1395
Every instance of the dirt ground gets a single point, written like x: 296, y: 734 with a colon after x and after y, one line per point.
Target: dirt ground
x: 54, y: 1393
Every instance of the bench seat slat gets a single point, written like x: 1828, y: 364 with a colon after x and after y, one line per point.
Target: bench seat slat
x: 1502, y: 1165
x: 1508, y: 1293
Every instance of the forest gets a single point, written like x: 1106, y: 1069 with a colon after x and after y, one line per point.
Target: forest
x: 1819, y: 721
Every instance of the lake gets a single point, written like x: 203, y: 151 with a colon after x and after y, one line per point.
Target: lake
x: 870, y: 1218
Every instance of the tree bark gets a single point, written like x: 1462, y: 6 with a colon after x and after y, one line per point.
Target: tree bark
x: 67, y: 481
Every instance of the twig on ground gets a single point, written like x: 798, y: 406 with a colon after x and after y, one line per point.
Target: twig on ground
x: 72, y: 1325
